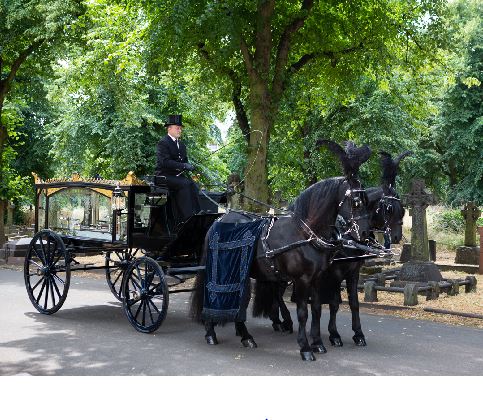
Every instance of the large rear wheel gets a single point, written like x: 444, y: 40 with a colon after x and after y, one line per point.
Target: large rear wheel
x: 47, y: 272
x: 145, y: 295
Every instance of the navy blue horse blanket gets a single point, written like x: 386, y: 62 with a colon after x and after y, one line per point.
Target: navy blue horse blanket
x: 231, y: 247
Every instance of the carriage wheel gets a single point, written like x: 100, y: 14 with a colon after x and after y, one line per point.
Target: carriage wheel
x: 117, y: 263
x: 47, y: 272
x: 145, y: 295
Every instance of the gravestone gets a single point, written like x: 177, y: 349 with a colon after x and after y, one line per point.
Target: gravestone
x: 468, y: 254
x: 13, y: 252
x: 406, y: 251
x: 419, y: 268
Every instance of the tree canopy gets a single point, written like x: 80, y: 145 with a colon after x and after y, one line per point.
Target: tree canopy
x: 86, y: 85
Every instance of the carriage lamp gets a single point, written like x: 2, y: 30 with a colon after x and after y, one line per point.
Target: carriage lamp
x: 118, y: 199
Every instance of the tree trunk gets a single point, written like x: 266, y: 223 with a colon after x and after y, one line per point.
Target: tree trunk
x: 3, y: 139
x: 256, y: 185
x: 2, y: 225
x: 256, y: 179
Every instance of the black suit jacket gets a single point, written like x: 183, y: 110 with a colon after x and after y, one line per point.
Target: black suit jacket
x: 170, y: 159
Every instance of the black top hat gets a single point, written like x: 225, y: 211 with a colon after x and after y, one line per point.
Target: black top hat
x: 174, y: 120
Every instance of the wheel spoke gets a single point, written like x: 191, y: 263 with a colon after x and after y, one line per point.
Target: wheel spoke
x: 152, y: 290
x: 144, y: 313
x: 150, y: 313
x: 139, y: 275
x: 153, y: 305
x: 41, y: 291
x: 55, y: 286
x: 135, y: 283
x: 137, y: 312
x: 57, y: 260
x: 131, y: 302
x: 46, y: 293
x: 51, y: 281
x: 36, y: 253
x: 117, y: 278
x: 33, y: 288
x: 58, y: 278
x: 35, y: 263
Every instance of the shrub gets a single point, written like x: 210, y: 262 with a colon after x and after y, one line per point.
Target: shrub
x: 450, y: 221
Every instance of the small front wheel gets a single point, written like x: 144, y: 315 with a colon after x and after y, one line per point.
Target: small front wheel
x: 47, y: 272
x: 116, y: 264
x: 145, y: 295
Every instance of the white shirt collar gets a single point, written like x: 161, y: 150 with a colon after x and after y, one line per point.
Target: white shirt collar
x: 171, y: 137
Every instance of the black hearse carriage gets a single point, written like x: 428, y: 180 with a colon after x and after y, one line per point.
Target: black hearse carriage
x: 133, y: 224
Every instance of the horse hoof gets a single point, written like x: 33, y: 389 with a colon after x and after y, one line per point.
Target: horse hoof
x: 211, y: 340
x: 360, y: 341
x: 318, y: 348
x: 250, y: 343
x: 336, y: 342
x: 277, y: 327
x: 286, y: 327
x: 307, y: 356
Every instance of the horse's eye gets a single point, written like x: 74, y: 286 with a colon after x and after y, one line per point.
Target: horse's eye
x: 389, y: 208
x: 357, y: 202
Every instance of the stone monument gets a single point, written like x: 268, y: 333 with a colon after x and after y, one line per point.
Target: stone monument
x: 469, y: 253
x: 419, y: 268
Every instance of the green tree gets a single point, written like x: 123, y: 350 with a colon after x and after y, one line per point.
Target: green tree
x: 110, y: 104
x: 458, y: 130
x: 30, y: 35
x: 253, y: 49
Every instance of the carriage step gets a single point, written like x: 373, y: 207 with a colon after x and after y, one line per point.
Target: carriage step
x: 185, y: 270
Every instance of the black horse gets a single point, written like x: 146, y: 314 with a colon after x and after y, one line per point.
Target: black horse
x: 300, y: 249
x: 387, y: 215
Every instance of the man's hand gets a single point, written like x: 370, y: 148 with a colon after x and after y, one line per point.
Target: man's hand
x: 188, y: 167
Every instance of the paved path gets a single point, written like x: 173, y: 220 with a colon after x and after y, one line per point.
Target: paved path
x: 91, y: 336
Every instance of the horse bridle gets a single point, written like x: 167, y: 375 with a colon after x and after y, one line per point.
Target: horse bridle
x: 385, y: 206
x: 351, y: 225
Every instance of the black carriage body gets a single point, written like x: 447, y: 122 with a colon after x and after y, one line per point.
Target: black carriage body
x: 117, y: 219
x: 81, y: 212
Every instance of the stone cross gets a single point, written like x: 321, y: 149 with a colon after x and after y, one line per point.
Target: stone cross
x: 471, y: 213
x: 418, y: 199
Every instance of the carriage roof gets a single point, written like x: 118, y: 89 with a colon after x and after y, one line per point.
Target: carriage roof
x: 102, y: 186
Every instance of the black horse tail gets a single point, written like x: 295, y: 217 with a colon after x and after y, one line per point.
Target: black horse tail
x: 265, y: 299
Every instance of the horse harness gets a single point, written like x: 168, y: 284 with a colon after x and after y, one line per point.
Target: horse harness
x: 267, y: 257
x: 356, y: 202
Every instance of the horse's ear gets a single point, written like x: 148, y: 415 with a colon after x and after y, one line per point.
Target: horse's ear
x: 402, y: 156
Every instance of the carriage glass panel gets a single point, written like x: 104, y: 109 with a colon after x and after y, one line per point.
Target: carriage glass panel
x: 41, y: 209
x: 85, y: 213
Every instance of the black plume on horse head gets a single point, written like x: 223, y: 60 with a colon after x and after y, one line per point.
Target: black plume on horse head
x: 351, y: 157
x: 390, y: 167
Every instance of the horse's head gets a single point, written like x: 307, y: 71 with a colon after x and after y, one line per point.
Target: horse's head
x: 354, y: 217
x: 387, y: 213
